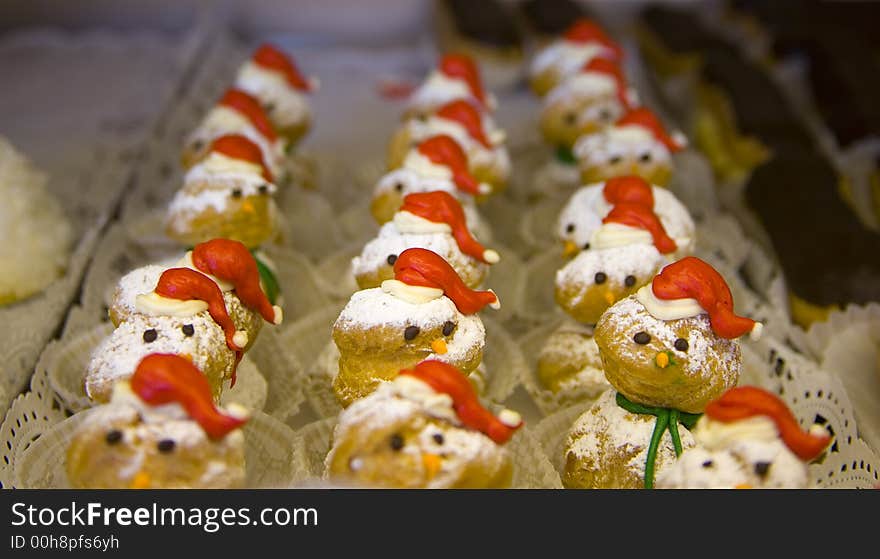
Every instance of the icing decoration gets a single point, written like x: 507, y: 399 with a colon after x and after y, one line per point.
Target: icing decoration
x: 162, y: 378
x: 462, y: 67
x: 423, y: 268
x: 272, y: 58
x: 641, y: 217
x: 585, y: 30
x: 248, y: 106
x: 446, y: 379
x: 673, y: 309
x: 632, y: 189
x: 565, y: 155
x: 667, y: 419
x: 415, y: 294
x: 693, y: 278
x: 611, y: 69
x: 644, y: 118
x: 268, y: 279
x: 441, y: 207
x: 185, y: 284
x: 232, y: 262
x: 743, y: 402
x: 444, y: 150
x: 237, y: 146
x: 467, y: 116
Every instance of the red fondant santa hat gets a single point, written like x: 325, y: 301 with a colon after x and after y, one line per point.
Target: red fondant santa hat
x: 692, y: 278
x: 743, y: 402
x: 184, y: 284
x: 641, y: 217
x: 585, y: 30
x: 237, y: 146
x: 646, y: 119
x: 423, y: 268
x: 272, y: 58
x: 250, y: 108
x: 440, y: 207
x: 462, y: 67
x: 468, y: 117
x: 444, y: 150
x: 631, y: 189
x: 611, y: 69
x: 232, y: 262
x: 162, y: 378
x: 446, y: 379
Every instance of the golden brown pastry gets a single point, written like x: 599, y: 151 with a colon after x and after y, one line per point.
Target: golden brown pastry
x: 424, y: 429
x: 160, y: 430
x: 425, y: 312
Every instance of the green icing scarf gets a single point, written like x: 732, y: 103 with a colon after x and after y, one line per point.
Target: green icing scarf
x: 268, y: 278
x: 565, y: 156
x: 667, y: 419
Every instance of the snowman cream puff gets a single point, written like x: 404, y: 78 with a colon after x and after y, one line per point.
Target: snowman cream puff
x: 625, y: 252
x: 455, y: 77
x: 584, y: 103
x: 425, y: 312
x: 209, y: 308
x: 237, y: 112
x: 583, y: 213
x: 228, y: 194
x: 436, y: 163
x: 747, y: 439
x: 473, y: 129
x: 424, y: 429
x: 430, y: 220
x: 271, y: 76
x: 637, y: 144
x: 160, y: 430
x: 569, y: 364
x: 582, y: 42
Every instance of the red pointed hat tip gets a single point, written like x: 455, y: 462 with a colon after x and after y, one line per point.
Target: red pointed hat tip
x: 240, y: 147
x: 744, y: 402
x: 632, y: 188
x: 649, y: 121
x: 693, y: 278
x: 441, y: 207
x: 424, y: 268
x: 463, y: 67
x: 163, y: 378
x: 444, y: 150
x: 271, y: 57
x: 248, y: 106
x: 641, y: 217
x: 613, y: 70
x: 446, y: 379
x: 467, y: 116
x: 586, y: 30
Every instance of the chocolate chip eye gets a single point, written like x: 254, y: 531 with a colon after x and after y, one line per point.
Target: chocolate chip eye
x: 113, y: 436
x: 708, y: 464
x: 605, y: 114
x: 188, y: 330
x: 236, y: 193
x: 270, y: 107
x: 398, y: 187
x: 600, y: 278
x: 448, y: 327
x: 571, y: 118
x: 681, y: 344
x: 396, y: 442
x: 614, y: 160
x: 642, y: 338
x: 569, y: 228
x: 165, y: 446
x: 645, y: 157
x: 150, y: 335
x: 392, y: 258
x: 761, y: 468
x: 438, y: 438
x: 629, y: 281
x: 586, y: 246
x: 411, y: 332
x: 263, y: 189
x: 198, y: 144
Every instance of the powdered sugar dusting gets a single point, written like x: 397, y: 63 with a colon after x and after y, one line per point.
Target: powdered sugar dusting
x: 639, y: 260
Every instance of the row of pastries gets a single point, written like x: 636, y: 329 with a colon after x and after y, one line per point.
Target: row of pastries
x: 650, y: 340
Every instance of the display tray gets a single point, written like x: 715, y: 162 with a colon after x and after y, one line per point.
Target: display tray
x: 327, y: 223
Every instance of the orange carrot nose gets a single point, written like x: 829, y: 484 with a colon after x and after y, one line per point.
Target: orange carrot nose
x: 432, y: 464
x: 247, y: 207
x: 662, y: 360
x: 569, y: 249
x: 609, y: 297
x: 141, y: 480
x: 438, y: 346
